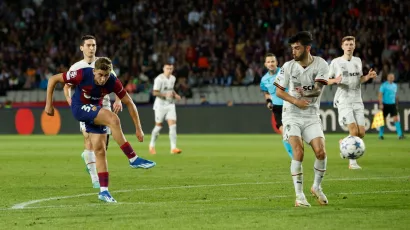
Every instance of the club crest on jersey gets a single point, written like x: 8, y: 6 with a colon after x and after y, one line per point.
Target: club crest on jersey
x: 71, y: 74
x: 94, y: 108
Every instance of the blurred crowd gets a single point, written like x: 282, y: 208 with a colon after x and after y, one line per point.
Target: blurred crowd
x: 217, y: 42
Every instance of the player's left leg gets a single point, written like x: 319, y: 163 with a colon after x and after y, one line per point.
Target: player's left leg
x: 313, y: 134
x: 394, y: 114
x: 171, y: 118
x: 98, y: 138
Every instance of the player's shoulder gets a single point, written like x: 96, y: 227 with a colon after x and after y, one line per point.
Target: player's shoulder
x: 265, y: 77
x: 79, y: 65
x: 336, y: 60
x: 159, y: 77
x: 356, y: 59
x: 320, y: 60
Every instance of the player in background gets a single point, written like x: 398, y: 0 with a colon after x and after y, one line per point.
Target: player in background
x: 273, y: 102
x: 346, y: 71
x: 89, y: 48
x: 91, y: 86
x: 304, y: 77
x: 164, y: 107
x: 388, y: 102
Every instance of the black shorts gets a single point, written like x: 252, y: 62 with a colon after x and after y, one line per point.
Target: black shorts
x: 389, y: 109
x: 277, y: 113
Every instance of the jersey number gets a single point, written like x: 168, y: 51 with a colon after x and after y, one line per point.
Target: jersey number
x: 86, y: 108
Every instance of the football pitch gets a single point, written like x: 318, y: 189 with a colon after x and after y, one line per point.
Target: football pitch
x: 218, y: 182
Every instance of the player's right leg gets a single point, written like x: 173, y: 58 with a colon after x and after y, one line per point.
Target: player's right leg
x: 98, y: 141
x: 88, y: 157
x: 347, y: 118
x: 159, y: 118
x: 277, y: 113
x: 292, y: 134
x: 98, y: 116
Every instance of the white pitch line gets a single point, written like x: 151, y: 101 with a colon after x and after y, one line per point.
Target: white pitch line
x: 201, y: 200
x: 24, y: 204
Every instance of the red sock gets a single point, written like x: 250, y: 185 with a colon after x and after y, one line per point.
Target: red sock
x: 103, y: 177
x: 128, y: 151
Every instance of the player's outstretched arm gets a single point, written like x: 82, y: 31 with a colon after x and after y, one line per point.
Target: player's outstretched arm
x: 371, y: 74
x: 301, y: 103
x: 132, y: 109
x: 67, y: 93
x: 52, y: 82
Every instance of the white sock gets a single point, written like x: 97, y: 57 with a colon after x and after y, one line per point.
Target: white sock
x: 352, y: 161
x: 297, y: 176
x: 133, y: 159
x: 319, y: 169
x: 102, y: 189
x: 173, y: 136
x: 89, y: 158
x: 154, y: 135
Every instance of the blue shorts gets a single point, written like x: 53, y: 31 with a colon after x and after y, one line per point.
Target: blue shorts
x: 87, y: 113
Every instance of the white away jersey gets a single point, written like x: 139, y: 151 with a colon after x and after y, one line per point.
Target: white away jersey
x: 83, y: 64
x: 164, y: 85
x: 293, y: 76
x: 348, y: 91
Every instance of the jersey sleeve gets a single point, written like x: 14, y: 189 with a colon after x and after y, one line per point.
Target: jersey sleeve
x: 332, y: 70
x: 381, y: 89
x: 157, y: 84
x: 262, y: 86
x: 282, y: 80
x: 359, y: 61
x: 119, y: 89
x: 73, y: 77
x: 323, y: 73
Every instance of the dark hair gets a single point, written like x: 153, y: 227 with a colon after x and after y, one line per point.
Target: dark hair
x: 269, y: 55
x: 87, y: 37
x: 103, y: 63
x: 167, y: 63
x: 348, y: 38
x: 304, y: 37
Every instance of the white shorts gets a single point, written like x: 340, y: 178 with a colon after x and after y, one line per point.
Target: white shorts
x: 308, y: 128
x: 167, y: 113
x: 353, y: 113
x: 82, y: 124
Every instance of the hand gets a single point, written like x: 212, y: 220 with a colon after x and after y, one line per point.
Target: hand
x: 49, y: 110
x: 117, y: 107
x: 140, y: 135
x: 381, y: 106
x: 269, y: 106
x: 338, y: 79
x: 371, y: 74
x: 68, y: 100
x: 177, y: 97
x: 301, y: 103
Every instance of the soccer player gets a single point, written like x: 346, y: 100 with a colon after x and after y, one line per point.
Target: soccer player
x: 348, y: 98
x: 304, y: 77
x: 273, y: 102
x: 91, y: 86
x: 388, y: 102
x: 164, y: 107
x: 89, y: 47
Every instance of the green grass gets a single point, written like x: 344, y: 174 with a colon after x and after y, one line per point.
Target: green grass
x: 219, y: 182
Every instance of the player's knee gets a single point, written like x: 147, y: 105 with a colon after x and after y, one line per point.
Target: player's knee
x: 114, y: 120
x: 320, y: 153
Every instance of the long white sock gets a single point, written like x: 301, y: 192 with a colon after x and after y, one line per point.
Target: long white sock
x: 352, y: 161
x: 320, y: 169
x: 173, y: 136
x: 297, y: 176
x: 89, y: 158
x: 154, y: 135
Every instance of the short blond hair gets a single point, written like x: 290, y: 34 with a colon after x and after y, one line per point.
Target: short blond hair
x: 348, y: 38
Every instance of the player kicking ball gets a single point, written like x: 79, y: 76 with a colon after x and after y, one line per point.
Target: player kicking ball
x: 91, y: 86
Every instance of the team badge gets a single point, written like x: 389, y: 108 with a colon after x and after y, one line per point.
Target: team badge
x: 94, y: 108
